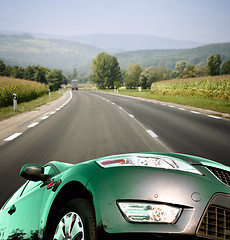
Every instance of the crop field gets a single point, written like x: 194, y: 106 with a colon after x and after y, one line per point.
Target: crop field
x: 24, y: 89
x: 217, y: 87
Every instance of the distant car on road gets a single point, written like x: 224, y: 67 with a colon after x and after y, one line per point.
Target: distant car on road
x: 74, y: 84
x: 130, y: 196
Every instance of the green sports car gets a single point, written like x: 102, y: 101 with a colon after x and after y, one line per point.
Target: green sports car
x: 130, y: 196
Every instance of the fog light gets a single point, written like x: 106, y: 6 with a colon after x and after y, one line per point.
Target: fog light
x: 149, y: 212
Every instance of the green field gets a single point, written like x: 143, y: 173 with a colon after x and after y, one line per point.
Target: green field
x: 211, y: 93
x: 6, y: 112
x: 217, y: 87
x: 24, y: 89
x: 30, y: 95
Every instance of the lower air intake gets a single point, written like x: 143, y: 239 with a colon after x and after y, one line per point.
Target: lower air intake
x: 215, y: 223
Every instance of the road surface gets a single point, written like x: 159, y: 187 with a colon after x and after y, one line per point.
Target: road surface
x: 95, y: 124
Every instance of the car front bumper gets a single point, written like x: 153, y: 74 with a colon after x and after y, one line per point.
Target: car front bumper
x: 196, y: 195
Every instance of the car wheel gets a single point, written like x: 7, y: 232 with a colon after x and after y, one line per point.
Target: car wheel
x: 75, y: 221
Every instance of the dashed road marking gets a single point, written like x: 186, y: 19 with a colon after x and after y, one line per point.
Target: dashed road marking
x: 131, y: 115
x: 195, y: 112
x: 33, y: 124
x: 15, y: 135
x: 152, y: 134
x: 45, y: 117
x: 12, y: 137
x: 212, y: 116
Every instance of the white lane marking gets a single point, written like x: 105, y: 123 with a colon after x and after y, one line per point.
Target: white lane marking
x: 52, y: 113
x: 171, y: 106
x: 182, y: 109
x: 156, y: 138
x: 152, y: 134
x: 212, y: 116
x: 58, y: 109
x: 12, y: 137
x: 113, y: 103
x: 45, y: 117
x: 195, y: 112
x: 33, y: 124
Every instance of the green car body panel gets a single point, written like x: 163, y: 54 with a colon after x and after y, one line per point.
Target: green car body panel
x: 29, y: 212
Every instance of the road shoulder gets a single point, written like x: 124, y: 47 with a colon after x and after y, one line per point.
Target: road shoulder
x: 21, y: 122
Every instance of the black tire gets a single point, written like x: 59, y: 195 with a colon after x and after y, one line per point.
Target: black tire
x: 76, y: 220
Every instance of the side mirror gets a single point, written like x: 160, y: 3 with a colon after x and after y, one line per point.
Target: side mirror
x: 33, y: 172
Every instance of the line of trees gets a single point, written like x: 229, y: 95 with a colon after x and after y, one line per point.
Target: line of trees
x: 106, y: 72
x: 52, y: 77
x: 211, y: 68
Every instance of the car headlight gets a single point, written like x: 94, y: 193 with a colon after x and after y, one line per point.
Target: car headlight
x: 155, y: 161
x: 149, y: 212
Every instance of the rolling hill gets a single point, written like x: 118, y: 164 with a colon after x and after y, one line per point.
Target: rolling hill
x: 26, y: 50
x: 169, y: 57
x: 63, y: 54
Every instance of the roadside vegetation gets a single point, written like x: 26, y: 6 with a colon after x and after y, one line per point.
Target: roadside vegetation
x: 25, y: 90
x: 6, y: 112
x: 30, y: 95
x: 53, y: 78
x: 217, y: 87
x: 206, y: 85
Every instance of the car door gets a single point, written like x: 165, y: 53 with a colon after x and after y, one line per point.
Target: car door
x: 23, y: 213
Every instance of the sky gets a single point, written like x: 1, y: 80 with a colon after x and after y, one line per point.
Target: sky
x: 205, y: 21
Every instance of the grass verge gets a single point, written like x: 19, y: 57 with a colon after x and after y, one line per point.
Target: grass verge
x: 6, y: 112
x: 218, y: 105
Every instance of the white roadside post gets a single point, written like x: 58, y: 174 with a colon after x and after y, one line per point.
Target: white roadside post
x: 50, y: 94
x: 15, y: 103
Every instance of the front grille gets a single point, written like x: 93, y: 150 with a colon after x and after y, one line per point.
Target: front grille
x: 215, y: 223
x: 223, y: 175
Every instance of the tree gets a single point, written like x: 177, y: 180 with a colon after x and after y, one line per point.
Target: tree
x: 153, y: 74
x: 189, y: 72
x: 226, y: 68
x: 213, y: 64
x: 105, y: 71
x: 28, y: 73
x: 17, y: 72
x: 200, y: 69
x: 180, y: 67
x: 132, y: 79
x: 2, y: 68
x: 8, y: 70
x: 54, y: 78
x: 124, y: 74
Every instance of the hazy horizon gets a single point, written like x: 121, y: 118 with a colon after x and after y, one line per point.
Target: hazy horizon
x: 204, y: 21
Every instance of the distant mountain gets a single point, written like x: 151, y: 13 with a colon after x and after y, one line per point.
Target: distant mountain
x: 169, y: 57
x: 132, y: 42
x: 26, y: 50
x: 121, y: 42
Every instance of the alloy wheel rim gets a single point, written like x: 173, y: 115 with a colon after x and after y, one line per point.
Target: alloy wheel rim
x: 70, y: 227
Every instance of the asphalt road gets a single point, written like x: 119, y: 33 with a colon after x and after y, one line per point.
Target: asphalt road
x: 95, y: 124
